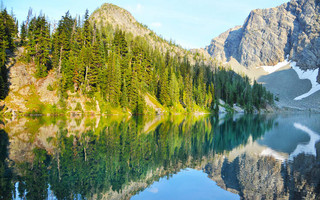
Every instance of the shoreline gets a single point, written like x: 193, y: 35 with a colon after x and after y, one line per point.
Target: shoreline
x: 283, y: 110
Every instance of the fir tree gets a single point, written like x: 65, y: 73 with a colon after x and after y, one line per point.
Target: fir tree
x: 124, y: 94
x: 23, y: 33
x: 174, y: 88
x: 164, y: 88
x: 187, y: 92
x: 7, y: 33
x: 94, y: 66
x: 61, y: 42
x: 41, y: 38
x: 133, y: 92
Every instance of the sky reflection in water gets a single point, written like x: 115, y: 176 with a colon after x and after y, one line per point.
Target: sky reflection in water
x: 108, y: 158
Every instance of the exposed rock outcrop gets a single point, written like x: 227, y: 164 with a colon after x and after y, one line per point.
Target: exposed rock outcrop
x: 269, y: 35
x: 262, y: 177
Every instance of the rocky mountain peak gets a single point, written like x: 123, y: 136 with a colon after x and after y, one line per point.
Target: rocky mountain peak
x: 118, y: 18
x: 112, y: 16
x: 269, y: 35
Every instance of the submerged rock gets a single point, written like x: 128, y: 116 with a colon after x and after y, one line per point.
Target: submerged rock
x: 237, y: 109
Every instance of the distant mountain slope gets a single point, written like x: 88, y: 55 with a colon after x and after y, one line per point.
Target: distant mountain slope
x: 112, y: 16
x: 269, y: 43
x: 269, y: 35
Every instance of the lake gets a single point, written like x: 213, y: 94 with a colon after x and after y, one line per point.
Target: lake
x: 172, y: 157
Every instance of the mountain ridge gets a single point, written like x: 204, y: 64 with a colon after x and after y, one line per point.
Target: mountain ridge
x: 284, y: 39
x: 269, y: 35
x: 119, y: 18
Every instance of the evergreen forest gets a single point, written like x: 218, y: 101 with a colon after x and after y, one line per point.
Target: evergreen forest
x: 119, y: 69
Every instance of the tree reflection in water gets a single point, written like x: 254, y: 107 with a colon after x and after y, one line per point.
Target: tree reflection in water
x: 116, y: 158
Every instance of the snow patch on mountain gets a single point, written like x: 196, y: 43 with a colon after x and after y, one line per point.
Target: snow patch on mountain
x: 271, y: 69
x: 307, y: 74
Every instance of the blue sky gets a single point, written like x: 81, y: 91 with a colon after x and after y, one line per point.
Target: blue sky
x: 189, y: 23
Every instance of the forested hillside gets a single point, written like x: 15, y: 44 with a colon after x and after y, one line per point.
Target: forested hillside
x: 116, y: 69
x: 8, y: 30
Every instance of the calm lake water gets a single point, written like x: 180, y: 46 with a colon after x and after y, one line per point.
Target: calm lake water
x: 177, y: 157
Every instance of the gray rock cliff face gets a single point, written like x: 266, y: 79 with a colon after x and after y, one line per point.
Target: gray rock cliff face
x: 260, y: 177
x: 269, y: 35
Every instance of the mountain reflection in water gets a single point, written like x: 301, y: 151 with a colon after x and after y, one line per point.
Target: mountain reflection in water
x: 253, y: 156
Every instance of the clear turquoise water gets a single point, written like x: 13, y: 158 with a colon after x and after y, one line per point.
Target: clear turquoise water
x: 212, y: 157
